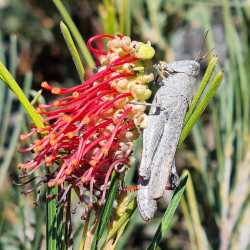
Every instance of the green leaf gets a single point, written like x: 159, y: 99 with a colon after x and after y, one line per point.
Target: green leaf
x: 75, y: 32
x: 125, y: 17
x: 212, y: 89
x: 2, y: 58
x: 169, y: 214
x: 106, y: 211
x: 73, y: 50
x: 13, y: 85
x: 13, y: 139
x: 51, y: 224
x: 8, y: 101
x: 123, y: 220
x: 198, y: 232
x: 107, y: 13
x: 204, y: 82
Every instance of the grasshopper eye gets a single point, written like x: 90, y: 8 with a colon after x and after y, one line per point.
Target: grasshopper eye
x: 195, y: 68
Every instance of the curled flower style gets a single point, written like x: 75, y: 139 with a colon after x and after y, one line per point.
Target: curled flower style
x: 89, y: 128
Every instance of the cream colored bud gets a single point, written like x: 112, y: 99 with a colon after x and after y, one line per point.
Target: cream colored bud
x: 128, y: 66
x: 144, y: 79
x: 124, y: 147
x: 148, y: 78
x: 139, y: 69
x: 110, y: 128
x: 129, y: 135
x: 114, y: 43
x: 141, y: 121
x: 113, y: 56
x: 120, y: 51
x: 103, y: 60
x: 126, y: 41
x: 123, y: 84
x: 139, y: 108
x: 140, y: 92
x: 147, y: 94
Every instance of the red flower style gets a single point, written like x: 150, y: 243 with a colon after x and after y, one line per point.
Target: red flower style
x: 89, y: 131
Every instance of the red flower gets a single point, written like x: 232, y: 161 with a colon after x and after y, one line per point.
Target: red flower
x: 89, y: 129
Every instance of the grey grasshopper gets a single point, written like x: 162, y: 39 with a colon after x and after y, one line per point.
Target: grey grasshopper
x: 157, y: 171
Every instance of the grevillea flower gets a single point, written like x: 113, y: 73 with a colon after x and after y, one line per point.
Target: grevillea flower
x: 89, y: 128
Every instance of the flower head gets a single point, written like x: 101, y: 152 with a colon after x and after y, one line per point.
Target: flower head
x: 89, y: 128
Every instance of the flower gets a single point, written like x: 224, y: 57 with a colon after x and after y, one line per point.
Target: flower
x: 89, y: 128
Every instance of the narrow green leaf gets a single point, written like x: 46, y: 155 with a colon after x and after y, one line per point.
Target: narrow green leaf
x: 123, y: 220
x: 39, y: 220
x: 11, y: 150
x: 169, y: 214
x: 107, y: 13
x: 106, y: 211
x: 199, y: 234
x: 13, y: 55
x: 36, y: 96
x: 27, y: 83
x: 8, y: 79
x: 73, y: 50
x: 60, y: 227
x: 14, y: 136
x: 137, y: 148
x: 13, y: 85
x: 2, y: 50
x: 85, y: 228
x: 2, y: 89
x: 9, y: 96
x: 75, y: 32
x: 209, y: 71
x: 68, y: 222
x: 51, y: 225
x: 188, y: 224
x: 201, y: 106
x: 125, y: 17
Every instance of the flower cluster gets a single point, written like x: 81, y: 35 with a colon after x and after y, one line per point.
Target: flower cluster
x: 90, y: 128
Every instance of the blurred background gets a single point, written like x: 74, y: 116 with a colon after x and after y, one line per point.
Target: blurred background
x: 215, y: 212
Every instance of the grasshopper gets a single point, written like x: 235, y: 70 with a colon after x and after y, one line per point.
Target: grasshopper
x: 157, y: 171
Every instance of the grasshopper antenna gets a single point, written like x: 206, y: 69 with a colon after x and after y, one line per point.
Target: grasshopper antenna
x: 201, y: 57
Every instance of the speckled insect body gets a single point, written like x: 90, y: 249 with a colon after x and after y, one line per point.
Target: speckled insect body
x: 158, y: 176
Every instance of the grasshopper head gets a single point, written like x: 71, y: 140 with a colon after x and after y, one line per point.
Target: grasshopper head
x: 189, y: 67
